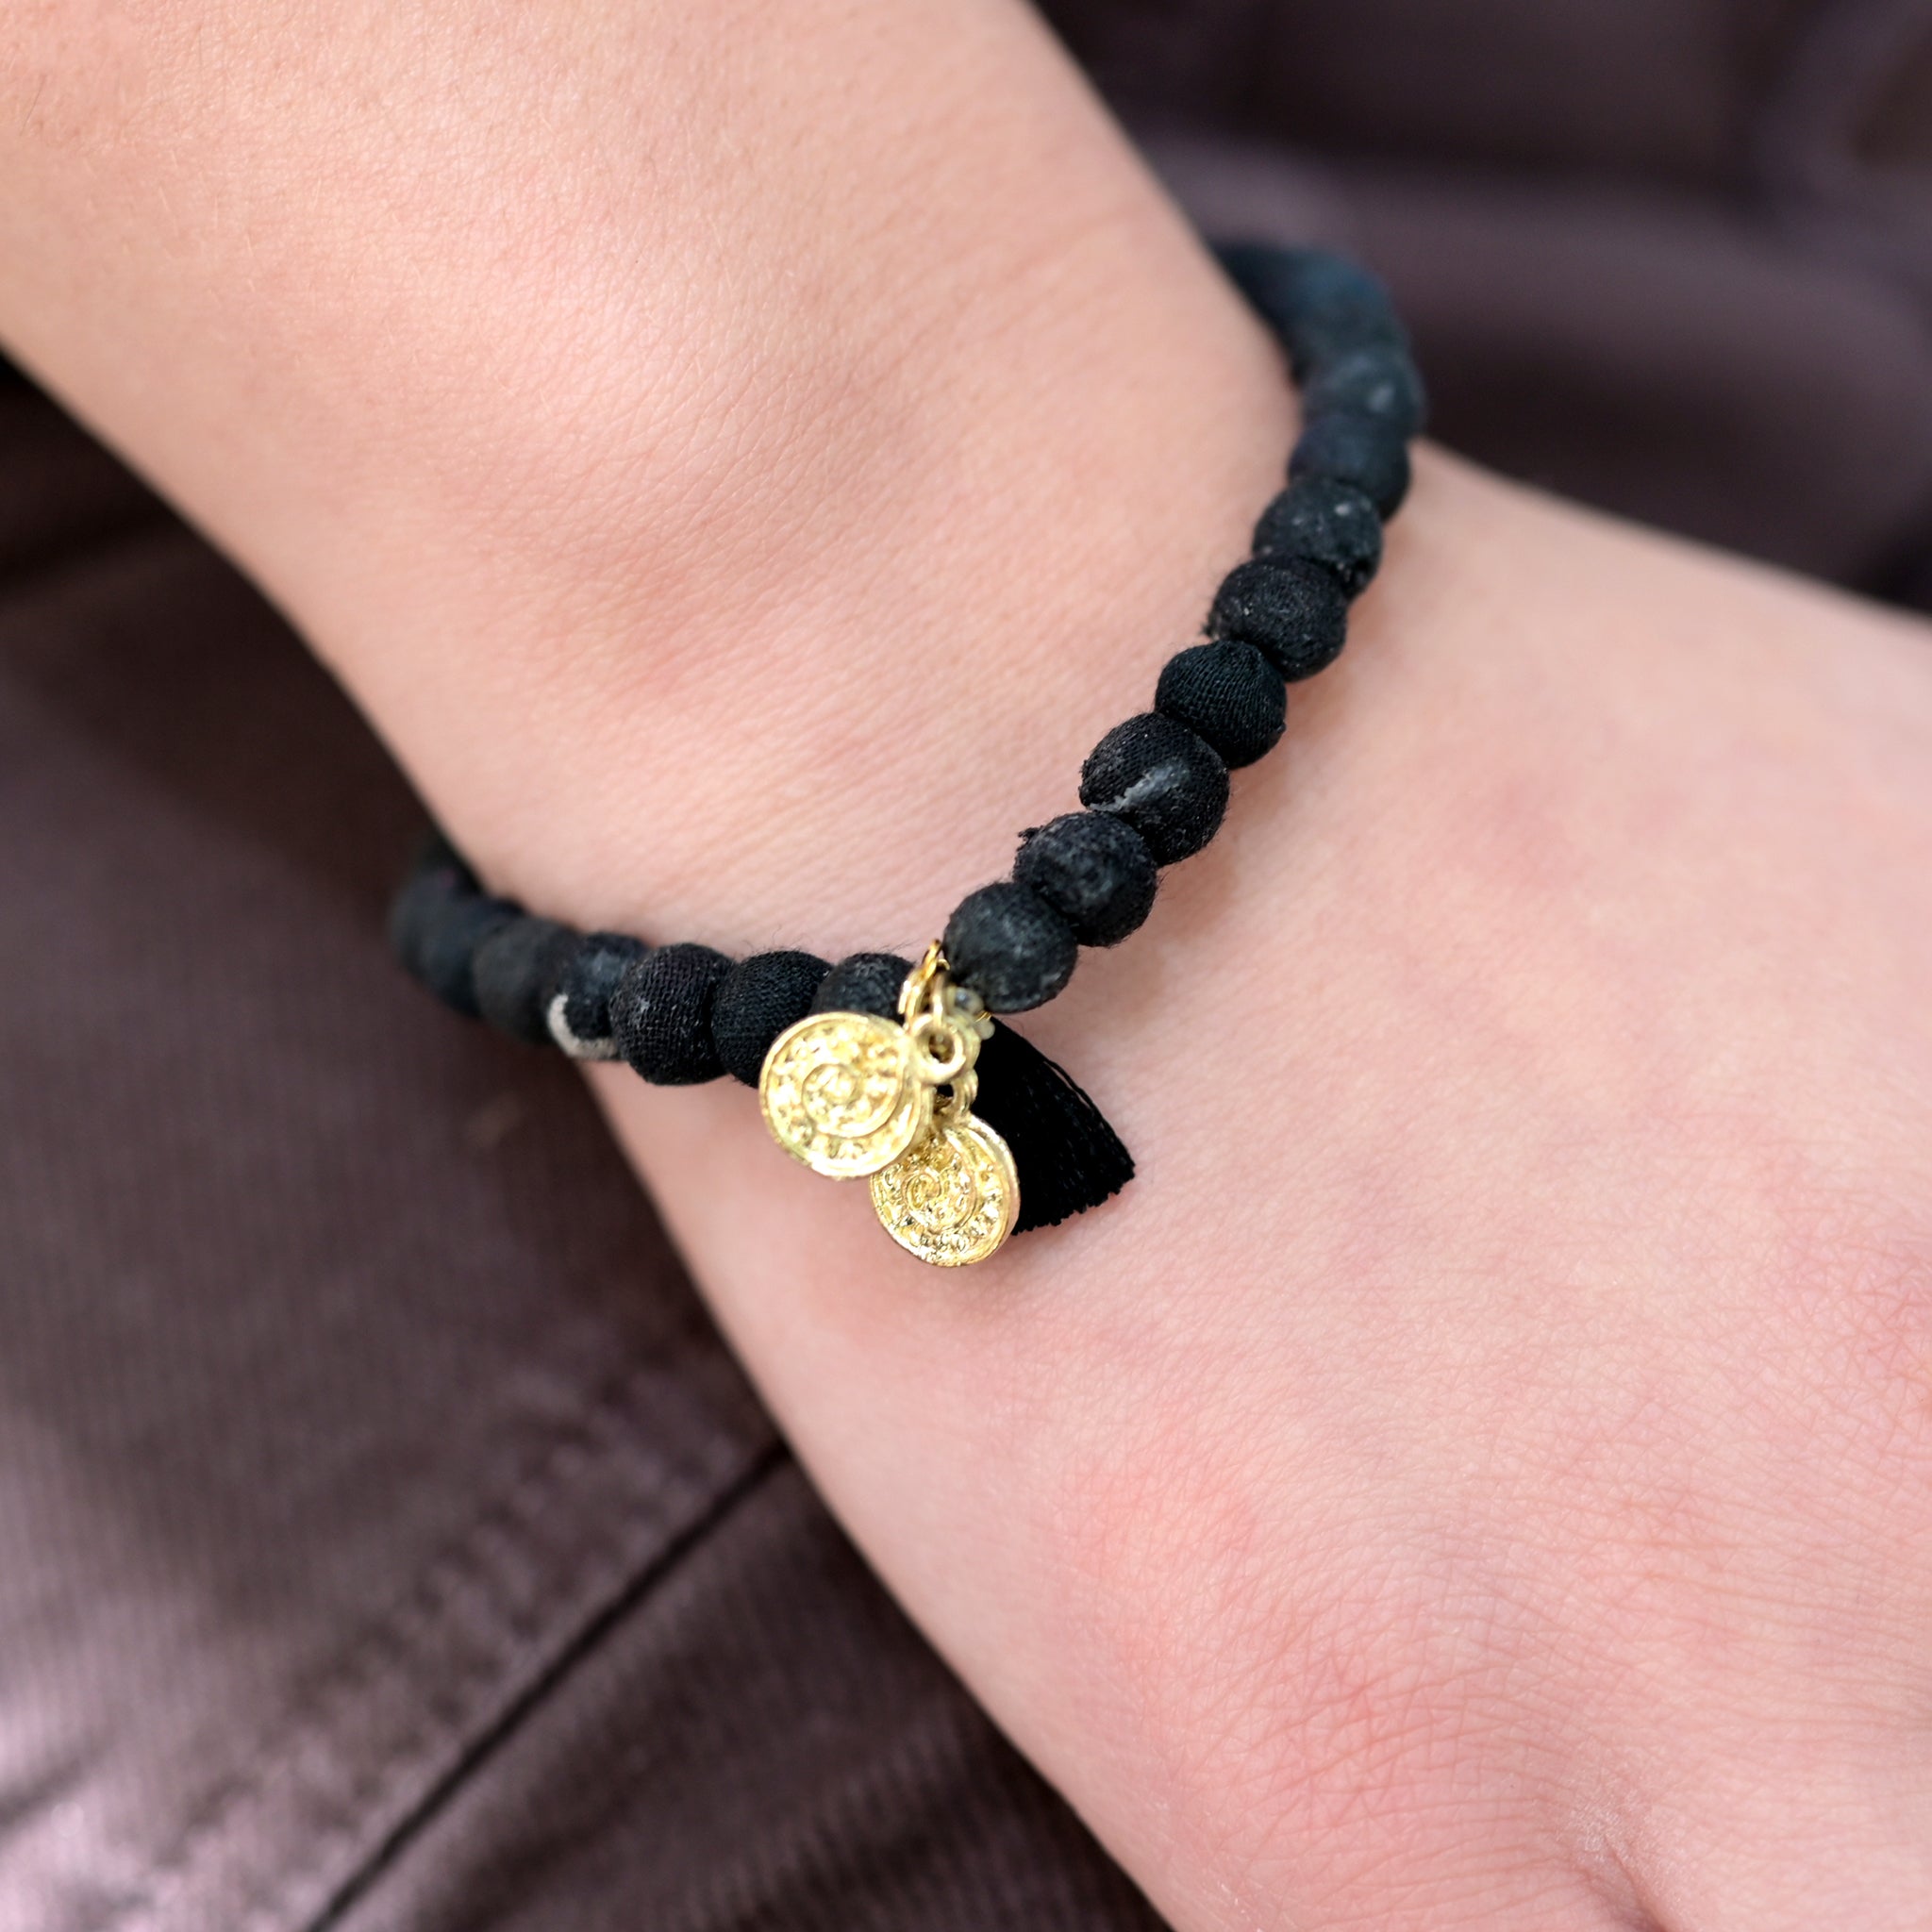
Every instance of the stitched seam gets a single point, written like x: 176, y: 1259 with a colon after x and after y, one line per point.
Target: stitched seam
x: 636, y: 1590
x: 432, y: 1606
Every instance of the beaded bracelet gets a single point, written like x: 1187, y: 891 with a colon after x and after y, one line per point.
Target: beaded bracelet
x: 892, y: 1071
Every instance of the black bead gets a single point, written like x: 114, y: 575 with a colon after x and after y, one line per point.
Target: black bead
x: 1356, y: 450
x: 1265, y: 272
x: 1320, y: 306
x: 1326, y: 523
x: 1294, y: 614
x: 446, y: 956
x: 424, y: 901
x: 1094, y: 870
x: 1011, y: 947
x: 1293, y: 611
x: 757, y: 1000
x: 1229, y: 696
x: 660, y: 1014
x: 589, y: 978
x: 516, y: 971
x: 1162, y: 779
x: 1382, y: 384
x: 863, y: 983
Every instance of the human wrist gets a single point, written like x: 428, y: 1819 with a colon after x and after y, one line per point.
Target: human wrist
x: 564, y: 507
x: 806, y: 727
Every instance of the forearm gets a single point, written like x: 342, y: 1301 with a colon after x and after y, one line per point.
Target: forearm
x: 729, y: 403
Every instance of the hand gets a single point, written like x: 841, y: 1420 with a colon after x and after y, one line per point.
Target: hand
x: 1481, y: 1471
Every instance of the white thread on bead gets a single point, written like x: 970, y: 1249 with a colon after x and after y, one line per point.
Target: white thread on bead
x: 604, y: 1049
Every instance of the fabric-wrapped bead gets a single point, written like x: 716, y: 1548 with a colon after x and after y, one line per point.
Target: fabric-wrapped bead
x: 440, y: 879
x: 1009, y: 946
x: 516, y: 971
x: 1379, y: 382
x: 1320, y: 306
x: 1162, y: 779
x: 1326, y: 523
x: 1356, y: 450
x: 445, y: 959
x: 863, y: 983
x: 580, y: 1015
x: 757, y: 1001
x: 416, y: 911
x: 1293, y: 613
x: 1229, y: 695
x: 660, y: 1014
x: 1094, y: 870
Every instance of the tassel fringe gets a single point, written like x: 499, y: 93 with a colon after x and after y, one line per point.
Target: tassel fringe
x: 1069, y: 1158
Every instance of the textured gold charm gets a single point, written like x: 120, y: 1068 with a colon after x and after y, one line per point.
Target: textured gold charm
x: 852, y: 1094
x: 954, y: 1198
x: 845, y: 1093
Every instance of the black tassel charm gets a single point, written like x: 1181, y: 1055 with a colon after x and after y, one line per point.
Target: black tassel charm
x: 1068, y: 1156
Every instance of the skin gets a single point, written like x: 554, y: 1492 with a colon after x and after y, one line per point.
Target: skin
x: 1480, y: 1473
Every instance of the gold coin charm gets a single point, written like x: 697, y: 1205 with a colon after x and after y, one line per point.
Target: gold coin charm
x: 954, y: 1197
x: 851, y: 1094
x: 843, y: 1094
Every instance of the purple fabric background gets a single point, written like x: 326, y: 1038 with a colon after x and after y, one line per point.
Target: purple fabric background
x: 386, y: 1540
